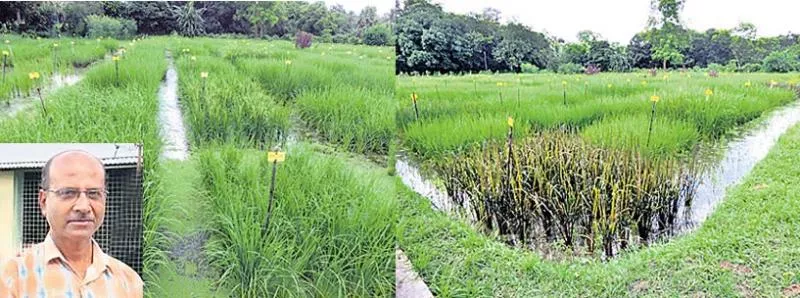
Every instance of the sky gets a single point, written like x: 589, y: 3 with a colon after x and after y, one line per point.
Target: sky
x: 383, y: 6
x: 620, y: 21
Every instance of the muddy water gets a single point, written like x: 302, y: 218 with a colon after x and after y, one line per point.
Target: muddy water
x: 739, y: 158
x: 57, y: 81
x: 173, y: 131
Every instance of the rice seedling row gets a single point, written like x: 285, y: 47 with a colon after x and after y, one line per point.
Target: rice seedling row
x: 21, y: 57
x: 330, y: 227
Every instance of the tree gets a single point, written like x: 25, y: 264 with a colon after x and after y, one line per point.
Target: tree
x: 219, y: 17
x: 667, y: 53
x: 639, y: 51
x: 367, y: 18
x: 190, y: 19
x: 263, y: 15
x: 745, y: 30
x: 378, y: 35
x: 489, y: 14
x: 75, y: 14
x: 665, y: 12
x: 152, y: 17
x: 519, y: 45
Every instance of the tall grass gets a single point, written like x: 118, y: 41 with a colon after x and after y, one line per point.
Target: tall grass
x: 556, y: 187
x: 358, y: 118
x: 231, y: 107
x: 331, y: 232
x: 670, y: 137
x: 341, y: 91
x: 472, y: 99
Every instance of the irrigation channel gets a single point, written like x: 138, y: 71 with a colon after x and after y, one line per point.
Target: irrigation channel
x: 738, y: 157
x: 173, y: 131
x: 18, y: 103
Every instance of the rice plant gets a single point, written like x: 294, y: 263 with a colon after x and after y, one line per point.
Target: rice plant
x: 556, y: 187
x: 619, y: 171
x: 331, y: 229
x: 223, y: 105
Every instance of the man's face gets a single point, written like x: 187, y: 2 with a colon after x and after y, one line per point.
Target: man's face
x: 74, y: 216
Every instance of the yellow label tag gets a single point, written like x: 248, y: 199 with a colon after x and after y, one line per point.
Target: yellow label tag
x: 276, y: 156
x: 510, y: 122
x: 414, y: 97
x: 655, y: 98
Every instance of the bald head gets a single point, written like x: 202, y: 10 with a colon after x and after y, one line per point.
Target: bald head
x: 70, y: 158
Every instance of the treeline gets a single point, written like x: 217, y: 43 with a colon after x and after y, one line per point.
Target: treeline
x: 430, y: 40
x: 254, y: 19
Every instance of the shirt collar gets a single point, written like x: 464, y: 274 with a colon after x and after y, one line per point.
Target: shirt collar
x: 51, y: 252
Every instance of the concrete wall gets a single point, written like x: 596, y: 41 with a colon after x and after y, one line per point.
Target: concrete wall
x: 9, y: 240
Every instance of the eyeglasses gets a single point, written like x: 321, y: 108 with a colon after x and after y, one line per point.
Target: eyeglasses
x: 71, y: 193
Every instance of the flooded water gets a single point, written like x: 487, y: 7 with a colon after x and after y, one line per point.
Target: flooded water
x: 57, y: 81
x: 739, y: 158
x: 173, y: 131
x: 413, y: 178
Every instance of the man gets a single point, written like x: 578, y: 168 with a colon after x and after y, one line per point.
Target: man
x: 69, y: 263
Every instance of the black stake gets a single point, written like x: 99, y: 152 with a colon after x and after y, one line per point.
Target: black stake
x: 650, y: 129
x: 41, y: 100
x: 271, y: 195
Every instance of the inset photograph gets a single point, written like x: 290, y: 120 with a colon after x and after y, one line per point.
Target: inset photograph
x: 72, y: 213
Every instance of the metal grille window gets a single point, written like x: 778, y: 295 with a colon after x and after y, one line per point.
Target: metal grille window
x: 119, y: 236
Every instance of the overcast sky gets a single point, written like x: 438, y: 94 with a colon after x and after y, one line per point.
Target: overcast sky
x: 620, y: 21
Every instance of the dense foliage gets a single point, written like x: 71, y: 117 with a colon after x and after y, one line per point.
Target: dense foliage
x: 432, y: 40
x: 256, y: 19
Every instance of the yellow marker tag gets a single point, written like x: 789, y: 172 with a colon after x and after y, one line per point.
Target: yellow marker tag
x: 510, y: 122
x: 655, y: 98
x: 34, y: 75
x: 709, y: 92
x: 276, y: 156
x: 564, y: 83
x: 414, y: 97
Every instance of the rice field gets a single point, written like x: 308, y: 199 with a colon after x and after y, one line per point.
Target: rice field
x: 575, y: 161
x: 332, y: 212
x: 331, y: 226
x: 22, y: 56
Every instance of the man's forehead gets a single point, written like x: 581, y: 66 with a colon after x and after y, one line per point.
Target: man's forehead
x: 73, y: 163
